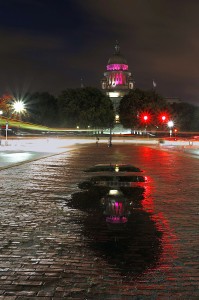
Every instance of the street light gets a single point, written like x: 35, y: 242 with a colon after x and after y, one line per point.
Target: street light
x: 19, y: 107
x: 170, y: 125
x: 145, y: 119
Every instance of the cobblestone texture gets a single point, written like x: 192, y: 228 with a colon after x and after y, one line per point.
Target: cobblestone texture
x: 44, y: 253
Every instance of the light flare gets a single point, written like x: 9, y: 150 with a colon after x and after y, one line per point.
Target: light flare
x: 19, y: 106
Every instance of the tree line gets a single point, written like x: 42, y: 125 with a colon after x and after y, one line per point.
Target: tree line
x: 90, y: 108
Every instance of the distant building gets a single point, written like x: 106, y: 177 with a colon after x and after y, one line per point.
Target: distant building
x: 172, y: 100
x: 117, y: 80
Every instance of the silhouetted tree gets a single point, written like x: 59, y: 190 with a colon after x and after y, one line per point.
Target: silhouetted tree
x: 43, y: 109
x: 85, y: 107
x: 186, y: 116
x: 139, y: 102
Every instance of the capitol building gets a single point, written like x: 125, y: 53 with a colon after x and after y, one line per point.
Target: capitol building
x: 117, y: 80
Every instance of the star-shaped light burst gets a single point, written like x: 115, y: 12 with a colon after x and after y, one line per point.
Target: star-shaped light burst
x: 19, y: 107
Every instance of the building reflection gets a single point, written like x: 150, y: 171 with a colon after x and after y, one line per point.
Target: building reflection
x: 116, y: 207
x: 120, y: 223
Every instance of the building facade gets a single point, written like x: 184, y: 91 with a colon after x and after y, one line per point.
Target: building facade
x: 117, y: 80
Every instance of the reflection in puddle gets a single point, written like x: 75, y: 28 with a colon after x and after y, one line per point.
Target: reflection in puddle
x: 131, y: 250
x: 132, y: 247
x: 116, y: 226
x: 113, y: 168
x: 116, y: 208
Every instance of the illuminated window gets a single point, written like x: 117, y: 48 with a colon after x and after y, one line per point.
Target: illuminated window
x: 114, y: 95
x: 117, y: 67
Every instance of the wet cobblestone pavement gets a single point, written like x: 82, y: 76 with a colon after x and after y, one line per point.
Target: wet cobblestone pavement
x: 51, y: 249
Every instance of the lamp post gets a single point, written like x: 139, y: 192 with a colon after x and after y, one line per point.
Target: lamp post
x: 145, y: 120
x: 110, y: 138
x: 6, y: 143
x: 170, y: 125
x: 19, y: 109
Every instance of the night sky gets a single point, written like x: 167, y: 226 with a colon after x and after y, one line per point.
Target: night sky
x: 49, y: 45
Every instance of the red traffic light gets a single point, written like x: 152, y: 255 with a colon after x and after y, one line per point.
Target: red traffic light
x: 163, y: 117
x: 145, y: 117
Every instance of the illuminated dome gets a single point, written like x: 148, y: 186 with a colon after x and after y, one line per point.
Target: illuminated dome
x: 117, y: 60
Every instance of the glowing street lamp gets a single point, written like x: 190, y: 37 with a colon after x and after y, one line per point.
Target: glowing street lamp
x: 19, y: 107
x: 170, y: 125
x: 145, y: 119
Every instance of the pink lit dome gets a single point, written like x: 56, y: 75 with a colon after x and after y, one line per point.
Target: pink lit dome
x: 117, y: 61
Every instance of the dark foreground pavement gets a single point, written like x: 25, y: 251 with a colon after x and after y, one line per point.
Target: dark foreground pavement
x: 50, y: 250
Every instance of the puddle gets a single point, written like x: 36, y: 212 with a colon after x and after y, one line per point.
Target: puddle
x: 116, y: 226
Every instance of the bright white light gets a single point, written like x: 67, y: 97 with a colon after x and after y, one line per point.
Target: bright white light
x: 117, y: 168
x: 114, y: 94
x: 18, y: 106
x: 114, y: 192
x: 1, y: 112
x: 170, y: 124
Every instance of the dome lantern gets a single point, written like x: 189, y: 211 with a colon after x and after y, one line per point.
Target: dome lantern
x: 117, y: 61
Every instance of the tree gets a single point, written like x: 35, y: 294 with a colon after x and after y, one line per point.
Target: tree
x: 43, y: 109
x: 85, y: 107
x: 186, y: 116
x: 139, y: 107
x: 5, y: 106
